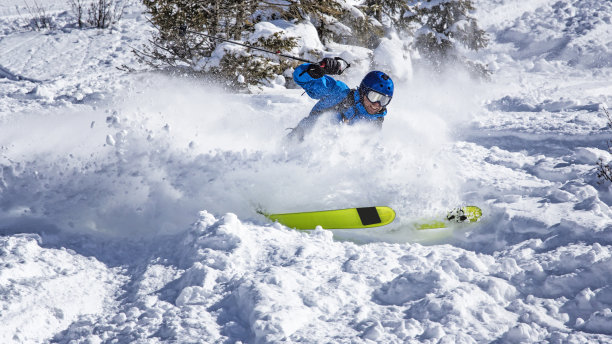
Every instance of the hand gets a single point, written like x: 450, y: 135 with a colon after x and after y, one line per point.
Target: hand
x: 327, y: 66
x: 315, y: 71
x: 331, y: 65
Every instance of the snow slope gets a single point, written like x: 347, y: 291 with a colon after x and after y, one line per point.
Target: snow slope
x: 127, y: 200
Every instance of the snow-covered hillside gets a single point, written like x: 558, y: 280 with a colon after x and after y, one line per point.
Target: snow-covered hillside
x: 127, y: 200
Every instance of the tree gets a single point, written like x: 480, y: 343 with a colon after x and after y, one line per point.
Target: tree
x: 438, y: 27
x: 185, y: 49
x: 172, y: 46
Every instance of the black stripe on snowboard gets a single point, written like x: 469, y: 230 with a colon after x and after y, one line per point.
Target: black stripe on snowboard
x: 368, y: 216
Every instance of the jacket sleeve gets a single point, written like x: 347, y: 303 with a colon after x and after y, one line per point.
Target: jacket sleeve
x: 318, y: 88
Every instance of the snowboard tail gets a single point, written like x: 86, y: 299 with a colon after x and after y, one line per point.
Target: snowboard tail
x: 465, y: 214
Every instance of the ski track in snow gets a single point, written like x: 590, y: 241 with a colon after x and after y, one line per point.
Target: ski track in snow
x: 127, y: 200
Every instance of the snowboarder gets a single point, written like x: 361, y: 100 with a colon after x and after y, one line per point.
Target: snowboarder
x: 368, y: 103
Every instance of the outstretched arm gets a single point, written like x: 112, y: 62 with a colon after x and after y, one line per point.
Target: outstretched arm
x: 313, y: 79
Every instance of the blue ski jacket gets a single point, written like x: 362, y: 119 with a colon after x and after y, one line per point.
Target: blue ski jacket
x: 335, y: 97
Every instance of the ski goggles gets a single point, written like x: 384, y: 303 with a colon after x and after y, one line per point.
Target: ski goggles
x: 376, y: 97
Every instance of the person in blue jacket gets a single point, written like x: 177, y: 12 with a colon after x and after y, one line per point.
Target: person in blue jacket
x: 368, y: 103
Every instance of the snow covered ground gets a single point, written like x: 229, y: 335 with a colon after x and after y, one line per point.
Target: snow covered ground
x: 127, y: 200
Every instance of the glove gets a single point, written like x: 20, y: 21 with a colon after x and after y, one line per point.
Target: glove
x: 327, y: 66
x: 331, y: 66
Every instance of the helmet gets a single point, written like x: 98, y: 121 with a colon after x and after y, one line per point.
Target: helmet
x: 377, y: 81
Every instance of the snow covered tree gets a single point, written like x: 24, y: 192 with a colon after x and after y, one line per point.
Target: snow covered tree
x: 338, y: 21
x: 382, y: 9
x: 441, y: 25
x: 438, y: 27
x: 172, y: 44
x: 184, y: 28
x: 240, y: 69
x: 178, y: 44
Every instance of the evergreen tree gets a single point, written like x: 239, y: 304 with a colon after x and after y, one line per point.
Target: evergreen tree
x: 176, y: 43
x: 235, y: 20
x: 439, y: 26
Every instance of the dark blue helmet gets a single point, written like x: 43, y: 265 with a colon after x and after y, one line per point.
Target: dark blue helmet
x: 377, y: 81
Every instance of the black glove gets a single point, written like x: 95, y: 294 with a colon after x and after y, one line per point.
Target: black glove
x: 327, y: 66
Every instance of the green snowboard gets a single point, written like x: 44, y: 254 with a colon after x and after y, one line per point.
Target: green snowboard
x: 336, y: 219
x: 368, y: 217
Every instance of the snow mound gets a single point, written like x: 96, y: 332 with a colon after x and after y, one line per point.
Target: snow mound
x: 46, y: 289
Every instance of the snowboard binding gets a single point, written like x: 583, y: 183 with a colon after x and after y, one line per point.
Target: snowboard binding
x: 464, y: 214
